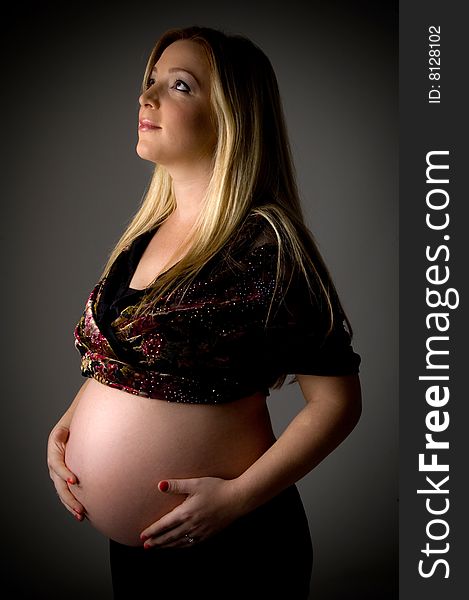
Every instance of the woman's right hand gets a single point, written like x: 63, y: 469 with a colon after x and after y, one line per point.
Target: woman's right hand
x: 60, y: 474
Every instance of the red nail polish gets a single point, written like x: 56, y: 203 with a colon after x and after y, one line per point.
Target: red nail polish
x: 146, y: 546
x: 144, y: 537
x: 77, y: 517
x: 70, y: 480
x: 164, y: 486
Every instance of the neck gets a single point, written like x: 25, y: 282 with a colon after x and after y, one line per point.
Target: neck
x: 189, y: 188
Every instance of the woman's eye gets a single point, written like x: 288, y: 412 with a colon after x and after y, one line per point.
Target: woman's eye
x: 183, y: 83
x: 151, y: 82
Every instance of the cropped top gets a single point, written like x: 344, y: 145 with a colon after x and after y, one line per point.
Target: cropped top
x: 215, y: 345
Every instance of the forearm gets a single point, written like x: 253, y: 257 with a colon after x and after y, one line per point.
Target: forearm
x: 313, y: 434
x: 66, y: 419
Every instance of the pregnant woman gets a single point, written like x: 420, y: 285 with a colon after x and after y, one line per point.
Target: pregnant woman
x: 214, y: 293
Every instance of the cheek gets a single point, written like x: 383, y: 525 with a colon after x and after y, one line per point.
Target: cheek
x: 195, y: 122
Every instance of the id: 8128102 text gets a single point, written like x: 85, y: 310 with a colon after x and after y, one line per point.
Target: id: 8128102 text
x: 434, y: 64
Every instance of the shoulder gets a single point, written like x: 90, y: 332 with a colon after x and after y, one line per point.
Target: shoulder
x: 256, y: 234
x: 253, y: 239
x: 262, y: 228
x: 273, y: 236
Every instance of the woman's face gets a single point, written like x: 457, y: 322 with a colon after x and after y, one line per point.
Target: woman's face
x: 178, y: 103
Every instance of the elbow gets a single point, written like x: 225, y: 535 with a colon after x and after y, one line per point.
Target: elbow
x: 351, y: 405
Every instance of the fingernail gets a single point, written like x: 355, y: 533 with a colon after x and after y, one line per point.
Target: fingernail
x: 144, y: 537
x: 163, y: 485
x: 78, y: 517
x: 70, y: 480
x: 146, y: 546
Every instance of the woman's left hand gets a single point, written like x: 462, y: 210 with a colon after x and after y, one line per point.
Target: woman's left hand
x: 212, y: 503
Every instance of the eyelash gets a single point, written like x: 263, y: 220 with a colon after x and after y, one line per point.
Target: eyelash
x: 177, y: 80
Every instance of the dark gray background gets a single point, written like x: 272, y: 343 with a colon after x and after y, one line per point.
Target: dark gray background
x: 73, y: 179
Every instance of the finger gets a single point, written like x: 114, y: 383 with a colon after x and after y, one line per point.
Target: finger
x: 78, y: 517
x: 167, y: 523
x: 67, y: 497
x: 57, y: 464
x: 173, y: 538
x: 178, y: 486
x: 182, y: 542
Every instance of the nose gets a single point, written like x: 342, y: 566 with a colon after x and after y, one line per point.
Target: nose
x: 149, y: 97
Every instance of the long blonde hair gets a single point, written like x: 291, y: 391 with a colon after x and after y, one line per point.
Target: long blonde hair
x: 252, y: 171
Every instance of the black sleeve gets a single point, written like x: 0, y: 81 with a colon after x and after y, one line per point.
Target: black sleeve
x: 297, y: 338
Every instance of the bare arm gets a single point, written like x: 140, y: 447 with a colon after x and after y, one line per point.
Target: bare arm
x: 333, y: 408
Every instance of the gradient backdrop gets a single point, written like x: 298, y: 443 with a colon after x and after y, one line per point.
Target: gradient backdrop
x: 72, y: 179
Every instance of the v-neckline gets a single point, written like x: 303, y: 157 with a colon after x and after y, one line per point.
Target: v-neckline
x: 137, y: 250
x: 117, y: 286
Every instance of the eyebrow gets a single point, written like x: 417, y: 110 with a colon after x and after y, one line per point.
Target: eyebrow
x: 173, y: 69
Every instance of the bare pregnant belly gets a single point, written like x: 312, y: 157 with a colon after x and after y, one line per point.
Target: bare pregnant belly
x: 121, y: 445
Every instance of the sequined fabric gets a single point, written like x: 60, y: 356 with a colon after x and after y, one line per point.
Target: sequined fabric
x: 216, y: 345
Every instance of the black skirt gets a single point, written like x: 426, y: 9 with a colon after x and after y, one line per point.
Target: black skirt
x: 265, y: 554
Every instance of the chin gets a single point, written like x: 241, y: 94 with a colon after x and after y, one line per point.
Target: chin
x: 145, y: 154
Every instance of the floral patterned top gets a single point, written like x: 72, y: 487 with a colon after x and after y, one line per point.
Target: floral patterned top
x: 217, y: 344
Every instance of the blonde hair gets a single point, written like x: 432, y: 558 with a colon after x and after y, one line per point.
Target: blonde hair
x: 252, y: 171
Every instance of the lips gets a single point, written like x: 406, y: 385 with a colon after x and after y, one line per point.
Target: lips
x: 147, y: 124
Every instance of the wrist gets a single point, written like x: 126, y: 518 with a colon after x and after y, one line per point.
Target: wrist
x: 59, y: 426
x: 240, y: 496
